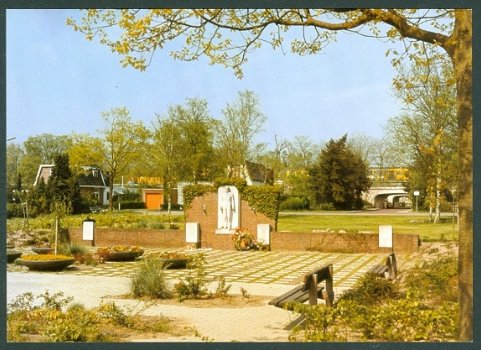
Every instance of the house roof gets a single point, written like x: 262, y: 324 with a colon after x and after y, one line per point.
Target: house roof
x: 92, y: 176
x: 43, y: 173
x: 253, y: 173
x: 258, y: 172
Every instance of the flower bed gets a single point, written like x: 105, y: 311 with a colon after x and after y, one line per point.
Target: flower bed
x: 46, y: 262
x: 120, y: 253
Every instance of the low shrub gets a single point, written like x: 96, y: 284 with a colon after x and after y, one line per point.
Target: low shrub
x: 14, y: 210
x: 294, y: 203
x: 165, y: 206
x: 436, y: 279
x: 194, y: 285
x: 222, y: 289
x: 157, y: 225
x: 370, y: 289
x: 149, y: 281
x: 326, y: 207
x: 42, y: 316
x: 115, y: 219
x: 319, y: 324
x: 130, y: 205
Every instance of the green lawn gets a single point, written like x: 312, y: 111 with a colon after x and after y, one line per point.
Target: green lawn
x: 420, y: 225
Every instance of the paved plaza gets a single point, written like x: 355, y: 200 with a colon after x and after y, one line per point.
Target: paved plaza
x: 267, y: 274
x: 258, y: 266
x: 262, y: 267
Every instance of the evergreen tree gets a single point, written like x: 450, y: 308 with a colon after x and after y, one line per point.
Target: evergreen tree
x: 40, y: 199
x: 62, y: 187
x: 339, y: 176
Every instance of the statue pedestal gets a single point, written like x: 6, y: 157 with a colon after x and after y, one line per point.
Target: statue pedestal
x: 224, y: 231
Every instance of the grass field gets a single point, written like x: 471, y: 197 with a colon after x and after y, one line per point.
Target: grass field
x: 420, y: 225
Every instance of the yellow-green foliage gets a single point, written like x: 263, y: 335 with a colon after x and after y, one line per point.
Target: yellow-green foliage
x: 124, y: 220
x: 416, y: 309
x: 44, y: 316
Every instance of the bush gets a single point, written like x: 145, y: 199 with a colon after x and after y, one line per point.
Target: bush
x: 370, y: 289
x: 43, y: 316
x: 222, y: 288
x: 194, y: 284
x: 436, y: 279
x: 294, y: 203
x: 14, y: 210
x: 149, y: 281
x: 130, y: 205
x: 319, y: 324
x: 404, y: 319
x: 326, y: 206
x: 173, y: 206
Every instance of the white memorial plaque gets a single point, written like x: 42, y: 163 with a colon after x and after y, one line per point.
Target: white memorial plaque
x: 264, y: 233
x: 88, y: 228
x: 192, y: 232
x: 385, y: 236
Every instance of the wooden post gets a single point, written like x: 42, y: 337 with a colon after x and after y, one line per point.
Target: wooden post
x: 391, y: 266
x: 313, y: 290
x: 56, y: 235
x: 328, y: 292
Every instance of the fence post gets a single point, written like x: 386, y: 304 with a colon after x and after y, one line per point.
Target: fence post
x: 313, y: 290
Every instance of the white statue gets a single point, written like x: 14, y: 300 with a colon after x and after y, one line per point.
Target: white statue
x: 227, y: 206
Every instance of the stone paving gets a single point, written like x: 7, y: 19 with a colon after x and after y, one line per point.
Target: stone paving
x: 273, y: 267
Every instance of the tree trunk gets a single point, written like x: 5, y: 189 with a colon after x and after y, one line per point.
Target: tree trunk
x: 461, y: 55
x: 437, y: 214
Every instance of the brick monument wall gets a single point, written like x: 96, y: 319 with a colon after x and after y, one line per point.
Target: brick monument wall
x: 203, y: 210
x: 342, y: 242
x: 141, y: 237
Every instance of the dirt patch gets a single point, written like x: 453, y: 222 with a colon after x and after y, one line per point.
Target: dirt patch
x: 229, y: 301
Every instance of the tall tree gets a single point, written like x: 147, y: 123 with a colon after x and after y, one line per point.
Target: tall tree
x: 196, y: 138
x: 41, y: 149
x: 62, y: 186
x: 301, y: 156
x: 166, y: 153
x: 121, y: 140
x: 426, y: 132
x: 242, y: 121
x: 116, y: 150
x: 86, y: 150
x: 227, y: 36
x: 276, y: 159
x: 339, y: 176
x: 365, y: 146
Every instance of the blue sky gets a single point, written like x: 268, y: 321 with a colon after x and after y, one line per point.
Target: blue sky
x: 58, y: 83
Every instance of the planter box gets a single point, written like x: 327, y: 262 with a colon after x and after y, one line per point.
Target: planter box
x: 46, y: 265
x: 174, y: 263
x: 42, y: 250
x: 123, y: 256
x: 12, y: 255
